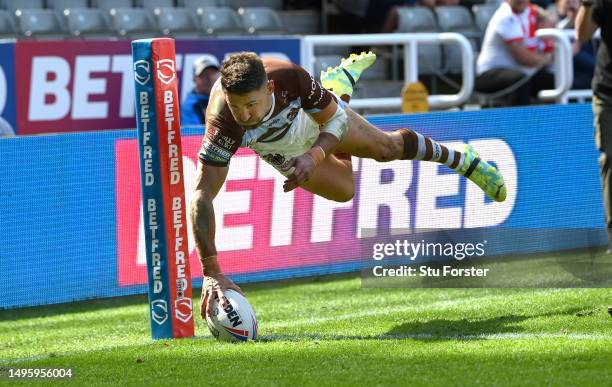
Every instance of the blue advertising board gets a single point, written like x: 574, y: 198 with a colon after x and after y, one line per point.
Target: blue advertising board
x: 7, y: 88
x: 67, y: 201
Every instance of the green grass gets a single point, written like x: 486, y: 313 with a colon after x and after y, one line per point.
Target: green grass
x: 332, y: 331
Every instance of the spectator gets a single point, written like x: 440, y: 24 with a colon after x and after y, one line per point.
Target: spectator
x: 584, y: 54
x: 591, y: 15
x: 205, y: 74
x: 509, y: 54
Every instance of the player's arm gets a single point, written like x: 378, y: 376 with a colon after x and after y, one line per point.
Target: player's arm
x: 332, y: 121
x: 585, y: 23
x: 209, y: 181
x: 221, y: 141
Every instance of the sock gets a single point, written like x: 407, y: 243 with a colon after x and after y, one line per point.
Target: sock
x: 419, y: 147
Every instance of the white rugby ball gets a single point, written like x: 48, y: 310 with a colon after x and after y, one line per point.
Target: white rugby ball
x: 236, y: 322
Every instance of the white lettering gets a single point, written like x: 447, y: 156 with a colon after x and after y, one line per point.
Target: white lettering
x: 155, y: 255
x: 189, y: 173
x: 50, y: 78
x: 147, y: 150
x: 323, y: 211
x: 430, y: 187
x: 84, y: 86
x: 479, y: 213
x: 3, y: 90
x: 374, y: 194
x: 123, y: 64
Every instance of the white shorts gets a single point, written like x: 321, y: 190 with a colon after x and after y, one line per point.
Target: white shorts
x: 296, y: 142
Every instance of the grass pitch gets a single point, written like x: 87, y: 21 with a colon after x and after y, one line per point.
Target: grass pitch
x: 332, y: 332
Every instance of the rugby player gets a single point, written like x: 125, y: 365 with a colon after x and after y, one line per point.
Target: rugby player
x: 306, y: 131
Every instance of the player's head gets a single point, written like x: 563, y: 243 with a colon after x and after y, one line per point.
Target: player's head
x: 247, y: 88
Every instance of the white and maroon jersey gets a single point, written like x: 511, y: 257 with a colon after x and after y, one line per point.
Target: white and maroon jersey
x: 294, y: 90
x: 507, y: 27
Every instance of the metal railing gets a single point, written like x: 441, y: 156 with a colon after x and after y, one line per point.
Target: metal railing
x: 410, y: 42
x: 562, y: 65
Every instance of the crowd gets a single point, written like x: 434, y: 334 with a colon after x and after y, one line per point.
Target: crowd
x: 512, y: 62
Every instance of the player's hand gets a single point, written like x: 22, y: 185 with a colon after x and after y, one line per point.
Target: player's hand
x: 214, y: 286
x: 303, y: 167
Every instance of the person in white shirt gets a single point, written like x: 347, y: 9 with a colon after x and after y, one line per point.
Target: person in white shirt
x: 510, y: 53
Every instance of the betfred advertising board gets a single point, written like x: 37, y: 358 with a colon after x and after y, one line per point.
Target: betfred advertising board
x: 78, y: 86
x: 73, y: 228
x: 7, y: 89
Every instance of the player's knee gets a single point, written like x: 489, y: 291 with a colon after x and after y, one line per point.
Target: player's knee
x: 344, y: 194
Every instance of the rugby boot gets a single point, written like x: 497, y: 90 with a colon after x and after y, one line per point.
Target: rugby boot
x: 342, y: 78
x: 486, y: 176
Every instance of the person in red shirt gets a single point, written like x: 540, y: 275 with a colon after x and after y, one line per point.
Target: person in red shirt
x: 512, y: 60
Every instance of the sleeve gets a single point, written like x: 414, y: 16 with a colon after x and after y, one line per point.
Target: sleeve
x: 510, y: 30
x: 314, y: 97
x: 221, y: 141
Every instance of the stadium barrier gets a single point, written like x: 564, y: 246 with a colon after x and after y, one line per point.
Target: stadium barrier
x: 72, y: 225
x: 76, y: 86
x: 72, y: 86
x: 410, y: 41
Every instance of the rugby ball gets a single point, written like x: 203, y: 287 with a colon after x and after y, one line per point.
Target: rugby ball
x: 236, y: 322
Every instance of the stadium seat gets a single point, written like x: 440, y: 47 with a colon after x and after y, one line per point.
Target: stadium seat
x: 87, y: 23
x: 456, y: 19
x: 61, y: 5
x: 422, y: 19
x: 152, y: 4
x: 7, y: 26
x: 177, y: 22
x: 13, y: 5
x: 39, y: 23
x: 301, y: 22
x: 134, y: 23
x: 195, y: 4
x: 276, y: 5
x: 220, y: 21
x: 107, y: 5
x: 261, y: 20
x: 482, y: 14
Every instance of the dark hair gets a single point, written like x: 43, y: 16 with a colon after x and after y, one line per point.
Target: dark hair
x: 243, y: 73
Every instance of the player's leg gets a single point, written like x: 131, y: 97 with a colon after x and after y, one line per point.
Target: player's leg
x: 333, y: 179
x: 365, y: 140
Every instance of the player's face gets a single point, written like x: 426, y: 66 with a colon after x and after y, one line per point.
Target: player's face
x: 250, y: 109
